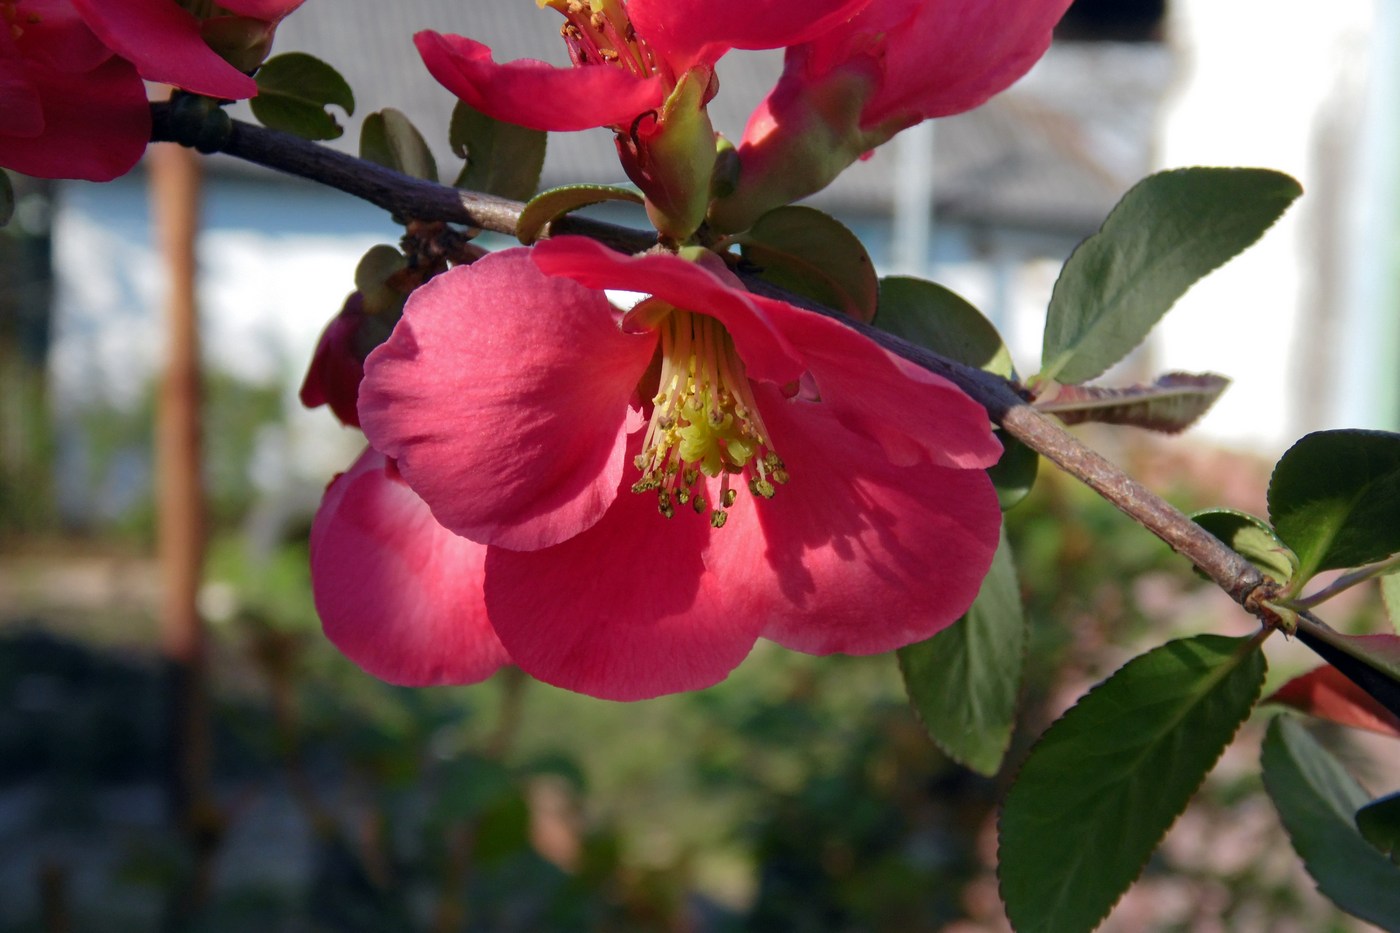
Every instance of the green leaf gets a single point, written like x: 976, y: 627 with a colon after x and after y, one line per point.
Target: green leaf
x: 811, y: 253
x: 294, y: 91
x: 1100, y: 789
x: 1379, y: 824
x: 548, y: 206
x: 502, y: 830
x: 1014, y: 474
x: 1170, y: 230
x: 963, y: 682
x: 1171, y: 404
x: 502, y: 159
x: 390, y: 139
x: 7, y: 198
x: 1334, y: 499
x: 943, y: 321
x: 1252, y: 539
x: 1390, y: 595
x: 1316, y: 798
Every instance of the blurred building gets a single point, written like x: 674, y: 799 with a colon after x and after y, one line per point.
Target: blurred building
x: 1302, y: 323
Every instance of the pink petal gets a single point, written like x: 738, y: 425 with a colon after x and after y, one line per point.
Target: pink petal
x: 684, y: 284
x: 853, y: 554
x: 952, y: 55
x: 691, y: 32
x: 96, y: 125
x: 534, y: 94
x: 336, y: 369
x: 397, y: 593
x: 21, y: 109
x: 164, y: 43
x: 60, y: 39
x: 505, y: 395
x: 623, y: 611
x: 912, y: 413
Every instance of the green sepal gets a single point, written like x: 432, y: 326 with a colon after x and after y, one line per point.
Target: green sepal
x: 390, y: 139
x: 1334, y: 498
x: 1170, y: 230
x: 501, y: 158
x: 1105, y: 782
x: 373, y: 276
x: 548, y: 206
x: 674, y: 161
x: 294, y: 90
x: 963, y: 682
x: 1252, y: 539
x: 813, y: 254
x: 1316, y: 799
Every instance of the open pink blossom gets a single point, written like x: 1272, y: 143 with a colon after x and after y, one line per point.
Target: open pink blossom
x: 645, y: 68
x: 897, y: 63
x: 397, y: 593
x: 659, y: 489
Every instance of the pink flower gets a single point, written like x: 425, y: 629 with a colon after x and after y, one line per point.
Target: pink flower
x: 397, y: 593
x: 658, y: 489
x: 72, y: 100
x: 69, y: 108
x: 645, y: 68
x: 165, y: 43
x: 897, y: 63
x: 338, y: 365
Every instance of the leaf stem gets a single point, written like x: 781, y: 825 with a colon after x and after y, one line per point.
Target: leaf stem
x: 1345, y: 582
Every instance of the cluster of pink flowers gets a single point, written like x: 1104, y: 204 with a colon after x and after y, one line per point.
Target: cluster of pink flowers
x: 620, y: 502
x: 623, y: 503
x: 856, y: 72
x: 72, y: 75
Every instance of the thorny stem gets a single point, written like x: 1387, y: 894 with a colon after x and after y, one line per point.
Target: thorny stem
x: 411, y: 198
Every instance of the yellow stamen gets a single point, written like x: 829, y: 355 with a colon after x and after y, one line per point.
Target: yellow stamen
x: 704, y: 421
x: 599, y: 32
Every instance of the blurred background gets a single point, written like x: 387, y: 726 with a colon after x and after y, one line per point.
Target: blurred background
x: 228, y: 768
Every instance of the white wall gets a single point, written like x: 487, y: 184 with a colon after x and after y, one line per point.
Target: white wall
x: 1277, y: 84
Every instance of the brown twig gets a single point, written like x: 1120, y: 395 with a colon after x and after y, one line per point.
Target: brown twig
x: 411, y: 198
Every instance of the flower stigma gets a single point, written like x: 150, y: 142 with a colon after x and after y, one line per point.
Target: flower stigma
x: 704, y: 421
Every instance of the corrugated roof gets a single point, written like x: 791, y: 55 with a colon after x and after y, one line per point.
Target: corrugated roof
x: 1053, y: 153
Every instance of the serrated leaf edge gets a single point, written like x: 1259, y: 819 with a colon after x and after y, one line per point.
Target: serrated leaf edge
x: 1245, y: 645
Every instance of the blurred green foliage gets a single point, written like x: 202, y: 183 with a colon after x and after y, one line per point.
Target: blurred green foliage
x: 801, y: 794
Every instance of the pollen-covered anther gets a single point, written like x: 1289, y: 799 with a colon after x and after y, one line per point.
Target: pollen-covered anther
x: 599, y: 33
x: 704, y: 421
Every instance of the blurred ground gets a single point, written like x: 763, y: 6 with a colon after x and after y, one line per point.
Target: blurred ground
x: 799, y: 795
